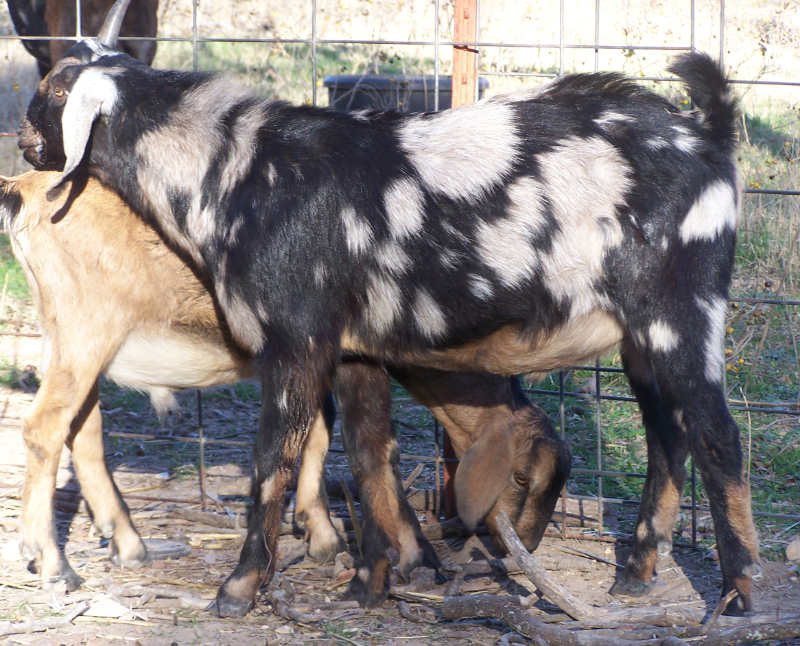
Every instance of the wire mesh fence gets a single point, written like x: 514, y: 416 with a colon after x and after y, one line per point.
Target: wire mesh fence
x: 290, y: 49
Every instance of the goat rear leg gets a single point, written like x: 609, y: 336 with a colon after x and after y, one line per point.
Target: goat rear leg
x: 666, y: 455
x: 364, y: 397
x: 690, y: 386
x: 324, y: 542
x: 61, y: 404
x: 109, y: 512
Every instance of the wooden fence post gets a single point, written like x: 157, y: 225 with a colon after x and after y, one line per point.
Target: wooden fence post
x: 465, y: 71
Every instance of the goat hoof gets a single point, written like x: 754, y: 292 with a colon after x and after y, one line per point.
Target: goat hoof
x: 72, y: 581
x: 29, y: 551
x: 139, y: 558
x: 739, y: 607
x: 228, y: 606
x: 325, y: 552
x: 630, y: 587
x: 367, y: 588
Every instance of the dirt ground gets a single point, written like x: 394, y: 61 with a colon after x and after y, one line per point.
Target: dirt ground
x: 164, y: 603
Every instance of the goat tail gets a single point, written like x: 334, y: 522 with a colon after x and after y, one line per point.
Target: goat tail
x: 710, y: 90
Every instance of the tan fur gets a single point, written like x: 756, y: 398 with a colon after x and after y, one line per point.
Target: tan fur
x: 108, y: 291
x: 509, y: 351
x: 668, y: 504
x: 737, y: 501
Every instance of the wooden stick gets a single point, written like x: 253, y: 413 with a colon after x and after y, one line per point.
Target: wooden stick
x: 577, y: 609
x: 552, y: 591
x: 15, y: 628
x: 351, y: 508
x: 753, y: 632
x: 723, y: 603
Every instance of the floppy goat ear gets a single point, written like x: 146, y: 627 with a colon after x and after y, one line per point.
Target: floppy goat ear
x: 93, y: 95
x: 482, y: 474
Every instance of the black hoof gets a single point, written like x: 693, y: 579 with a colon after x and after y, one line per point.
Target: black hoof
x: 630, y: 587
x: 227, y: 606
x: 72, y: 581
x: 736, y: 608
x: 367, y: 595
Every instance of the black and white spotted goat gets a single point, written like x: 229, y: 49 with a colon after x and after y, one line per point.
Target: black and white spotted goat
x: 519, y: 234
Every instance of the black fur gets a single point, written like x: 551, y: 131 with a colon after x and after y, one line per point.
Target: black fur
x: 604, y: 171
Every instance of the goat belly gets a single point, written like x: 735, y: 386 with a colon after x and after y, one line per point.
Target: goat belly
x: 170, y: 359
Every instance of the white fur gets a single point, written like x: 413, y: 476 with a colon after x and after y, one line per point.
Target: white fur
x: 463, y: 153
x: 383, y: 302
x: 357, y: 231
x: 392, y: 258
x: 405, y: 204
x: 428, y: 315
x: 480, y: 287
x: 714, y: 309
x: 663, y: 338
x: 587, y: 181
x: 685, y: 141
x: 160, y: 358
x: 713, y: 211
x: 505, y: 245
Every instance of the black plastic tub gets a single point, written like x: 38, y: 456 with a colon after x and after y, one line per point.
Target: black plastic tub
x: 381, y: 92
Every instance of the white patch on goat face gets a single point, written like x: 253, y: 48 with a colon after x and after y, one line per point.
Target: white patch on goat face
x: 714, y: 309
x: 711, y: 213
x: 404, y: 204
x: 505, y: 245
x: 357, y: 231
x: 383, y: 302
x: 480, y: 287
x: 462, y: 153
x: 428, y: 315
x: 586, y: 181
x: 685, y: 141
x: 662, y: 337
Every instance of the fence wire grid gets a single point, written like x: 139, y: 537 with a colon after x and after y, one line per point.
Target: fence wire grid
x: 557, y: 57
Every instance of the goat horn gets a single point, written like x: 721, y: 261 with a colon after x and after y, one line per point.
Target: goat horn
x: 109, y: 32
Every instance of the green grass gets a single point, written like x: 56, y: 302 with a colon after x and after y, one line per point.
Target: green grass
x: 12, y: 277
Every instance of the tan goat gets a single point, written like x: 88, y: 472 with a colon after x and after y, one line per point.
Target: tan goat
x: 114, y: 299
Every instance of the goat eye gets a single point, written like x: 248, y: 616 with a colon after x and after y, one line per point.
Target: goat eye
x: 60, y: 92
x: 521, y: 479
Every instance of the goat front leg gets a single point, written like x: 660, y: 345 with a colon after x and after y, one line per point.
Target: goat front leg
x: 291, y: 395
x: 109, y: 512
x: 62, y: 404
